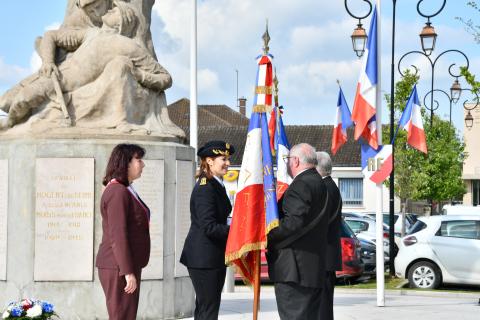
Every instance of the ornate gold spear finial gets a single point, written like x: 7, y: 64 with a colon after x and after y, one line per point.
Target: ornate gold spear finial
x: 266, y: 40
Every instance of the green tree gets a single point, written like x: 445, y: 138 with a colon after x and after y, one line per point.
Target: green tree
x: 439, y: 176
x: 436, y: 176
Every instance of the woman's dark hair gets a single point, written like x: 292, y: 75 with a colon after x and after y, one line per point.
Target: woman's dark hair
x: 117, y: 167
x: 204, y: 169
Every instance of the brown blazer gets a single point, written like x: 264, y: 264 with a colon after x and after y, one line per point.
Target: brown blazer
x: 126, y: 238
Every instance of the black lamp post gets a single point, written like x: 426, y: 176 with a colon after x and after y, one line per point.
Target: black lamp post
x: 469, y: 117
x: 449, y: 97
x: 428, y: 38
x: 456, y: 86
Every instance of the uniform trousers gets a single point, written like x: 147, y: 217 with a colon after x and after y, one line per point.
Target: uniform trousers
x: 208, y: 284
x: 297, y: 302
x: 120, y: 305
x: 326, y: 303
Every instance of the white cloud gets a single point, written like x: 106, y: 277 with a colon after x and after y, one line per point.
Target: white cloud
x: 10, y: 74
x: 207, y: 81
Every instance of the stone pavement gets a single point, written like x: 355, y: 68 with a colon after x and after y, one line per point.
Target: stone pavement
x: 353, y: 304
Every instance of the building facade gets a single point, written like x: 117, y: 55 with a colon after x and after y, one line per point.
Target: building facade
x: 471, y: 166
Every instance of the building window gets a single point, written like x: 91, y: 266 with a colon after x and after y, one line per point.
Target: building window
x: 351, y: 190
x: 475, y: 192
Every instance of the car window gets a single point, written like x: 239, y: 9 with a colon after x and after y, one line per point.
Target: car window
x: 345, y: 231
x: 386, y: 219
x: 357, y: 226
x: 418, y: 226
x: 468, y: 229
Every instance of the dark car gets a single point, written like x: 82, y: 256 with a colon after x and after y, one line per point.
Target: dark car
x: 352, y: 263
x: 368, y: 254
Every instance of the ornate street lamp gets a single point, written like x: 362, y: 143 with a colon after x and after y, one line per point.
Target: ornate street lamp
x: 469, y: 120
x: 359, y: 39
x: 455, y: 91
x: 359, y: 35
x: 432, y: 65
x: 468, y: 106
x: 428, y: 37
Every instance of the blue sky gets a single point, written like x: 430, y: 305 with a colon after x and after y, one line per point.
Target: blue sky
x: 310, y: 42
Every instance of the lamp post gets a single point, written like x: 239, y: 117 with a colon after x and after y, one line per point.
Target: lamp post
x: 428, y: 39
x: 455, y: 90
x: 469, y: 117
x: 452, y: 99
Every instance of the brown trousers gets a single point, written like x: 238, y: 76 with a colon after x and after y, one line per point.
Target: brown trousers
x: 120, y: 305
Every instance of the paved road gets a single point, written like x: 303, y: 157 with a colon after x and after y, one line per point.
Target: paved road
x: 351, y: 304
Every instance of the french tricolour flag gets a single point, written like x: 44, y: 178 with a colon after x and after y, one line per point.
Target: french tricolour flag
x: 255, y: 211
x: 377, y: 164
x: 283, y: 148
x: 411, y: 121
x: 342, y: 123
x: 364, y: 107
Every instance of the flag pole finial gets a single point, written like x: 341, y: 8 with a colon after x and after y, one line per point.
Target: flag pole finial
x: 338, y: 82
x: 266, y: 40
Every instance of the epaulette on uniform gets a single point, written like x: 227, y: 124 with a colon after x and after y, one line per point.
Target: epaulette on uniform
x: 203, y: 181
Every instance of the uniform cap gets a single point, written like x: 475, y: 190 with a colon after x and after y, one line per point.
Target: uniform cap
x: 215, y: 148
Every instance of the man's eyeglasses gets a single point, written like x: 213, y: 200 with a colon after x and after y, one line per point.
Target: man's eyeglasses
x: 285, y: 158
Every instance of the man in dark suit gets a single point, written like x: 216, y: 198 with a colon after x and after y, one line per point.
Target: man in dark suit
x: 297, y: 247
x: 334, y: 250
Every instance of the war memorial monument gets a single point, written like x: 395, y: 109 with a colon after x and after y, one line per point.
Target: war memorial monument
x: 100, y: 84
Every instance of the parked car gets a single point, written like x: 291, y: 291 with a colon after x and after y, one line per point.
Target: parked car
x: 409, y: 221
x: 441, y: 249
x: 365, y: 228
x: 352, y: 264
x: 356, y: 215
x: 368, y: 254
x: 460, y: 209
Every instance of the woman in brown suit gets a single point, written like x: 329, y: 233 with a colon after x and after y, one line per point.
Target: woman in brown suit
x: 125, y: 247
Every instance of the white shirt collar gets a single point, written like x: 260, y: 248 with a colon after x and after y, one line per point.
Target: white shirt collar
x: 219, y: 180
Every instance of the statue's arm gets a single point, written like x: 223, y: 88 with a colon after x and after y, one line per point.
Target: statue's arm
x: 69, y: 40
x: 159, y: 80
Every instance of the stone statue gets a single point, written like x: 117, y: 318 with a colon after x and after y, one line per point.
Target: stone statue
x: 99, y: 75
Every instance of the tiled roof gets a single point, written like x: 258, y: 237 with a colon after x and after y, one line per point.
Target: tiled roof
x: 219, y: 122
x: 208, y: 115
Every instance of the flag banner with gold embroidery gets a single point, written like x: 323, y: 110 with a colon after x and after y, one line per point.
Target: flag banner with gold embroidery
x: 255, y: 211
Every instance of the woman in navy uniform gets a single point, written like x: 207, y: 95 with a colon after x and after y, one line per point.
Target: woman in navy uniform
x: 204, y: 250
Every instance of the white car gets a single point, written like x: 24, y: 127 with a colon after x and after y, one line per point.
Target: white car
x: 441, y: 249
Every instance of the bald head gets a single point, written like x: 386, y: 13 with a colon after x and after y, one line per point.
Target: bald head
x: 302, y: 156
x: 324, y: 165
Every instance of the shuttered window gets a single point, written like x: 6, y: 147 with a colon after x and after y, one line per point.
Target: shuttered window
x: 351, y: 190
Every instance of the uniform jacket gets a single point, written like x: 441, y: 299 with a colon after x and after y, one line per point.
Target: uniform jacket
x: 126, y: 237
x: 207, y: 238
x: 302, y: 261
x: 334, y: 249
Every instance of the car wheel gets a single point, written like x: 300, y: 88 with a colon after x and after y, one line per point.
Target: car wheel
x: 424, y: 275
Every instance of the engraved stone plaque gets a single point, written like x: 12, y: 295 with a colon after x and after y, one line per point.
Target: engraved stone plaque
x: 150, y: 187
x: 64, y: 210
x: 184, y: 187
x: 3, y: 217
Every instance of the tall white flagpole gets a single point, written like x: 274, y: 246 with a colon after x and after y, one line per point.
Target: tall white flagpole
x: 193, y: 79
x: 379, y: 205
